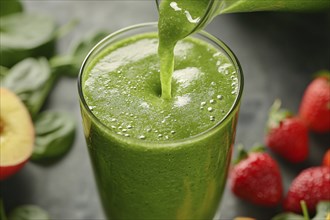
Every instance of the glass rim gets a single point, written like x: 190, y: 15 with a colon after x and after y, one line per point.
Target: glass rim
x: 163, y: 143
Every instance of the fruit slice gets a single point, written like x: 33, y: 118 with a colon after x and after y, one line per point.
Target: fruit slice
x: 16, y: 134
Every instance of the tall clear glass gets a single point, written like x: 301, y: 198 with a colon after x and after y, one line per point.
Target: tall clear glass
x: 139, y: 179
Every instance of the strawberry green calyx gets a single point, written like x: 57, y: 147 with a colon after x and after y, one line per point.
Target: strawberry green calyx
x: 258, y: 149
x: 276, y: 115
x: 304, y: 209
x: 322, y: 212
x: 323, y: 74
x: 243, y: 154
x: 290, y: 215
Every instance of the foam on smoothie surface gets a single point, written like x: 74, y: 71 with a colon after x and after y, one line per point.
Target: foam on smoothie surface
x: 122, y: 88
x: 162, y: 87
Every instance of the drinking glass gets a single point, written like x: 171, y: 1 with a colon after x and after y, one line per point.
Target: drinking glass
x: 175, y: 179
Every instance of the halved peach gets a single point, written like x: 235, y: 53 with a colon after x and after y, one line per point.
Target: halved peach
x: 16, y: 134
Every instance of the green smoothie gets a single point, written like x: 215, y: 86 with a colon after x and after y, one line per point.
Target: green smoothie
x: 159, y: 113
x: 157, y: 158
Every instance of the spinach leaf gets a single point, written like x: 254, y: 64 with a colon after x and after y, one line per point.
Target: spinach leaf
x: 63, y: 30
x: 322, y: 210
x: 28, y: 212
x: 31, y: 80
x: 70, y: 64
x: 26, y: 35
x: 82, y: 48
x: 64, y: 65
x: 55, y: 133
x: 10, y: 6
x: 3, y: 72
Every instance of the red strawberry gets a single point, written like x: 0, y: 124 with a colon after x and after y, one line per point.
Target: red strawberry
x: 326, y: 159
x: 311, y: 185
x: 257, y: 179
x: 315, y: 104
x: 287, y: 135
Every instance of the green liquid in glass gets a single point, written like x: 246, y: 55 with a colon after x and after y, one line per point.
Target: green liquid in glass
x: 123, y: 89
x: 153, y: 127
x: 160, y: 159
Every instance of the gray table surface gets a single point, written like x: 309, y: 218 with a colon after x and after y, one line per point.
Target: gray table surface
x: 278, y: 53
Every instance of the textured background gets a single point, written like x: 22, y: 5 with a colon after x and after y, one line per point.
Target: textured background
x: 278, y: 53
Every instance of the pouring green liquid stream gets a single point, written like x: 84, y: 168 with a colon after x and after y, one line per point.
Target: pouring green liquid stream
x: 178, y: 19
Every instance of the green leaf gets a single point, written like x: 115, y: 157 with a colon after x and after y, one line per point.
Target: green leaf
x: 81, y: 49
x: 28, y: 212
x: 31, y: 80
x: 64, y: 65
x: 288, y: 216
x: 70, y: 64
x: 322, y: 210
x: 2, y: 211
x: 55, y: 132
x: 26, y: 35
x: 3, y: 72
x: 10, y: 6
x: 63, y: 30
